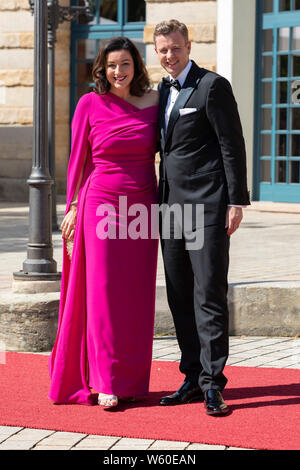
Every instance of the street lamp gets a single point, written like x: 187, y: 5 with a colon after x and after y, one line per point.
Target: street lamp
x: 40, y: 264
x: 57, y: 14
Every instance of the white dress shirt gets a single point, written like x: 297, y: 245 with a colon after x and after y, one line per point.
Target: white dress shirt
x: 174, y: 92
x: 173, y: 97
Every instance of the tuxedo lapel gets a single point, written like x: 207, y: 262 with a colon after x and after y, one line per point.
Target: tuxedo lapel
x: 188, y: 88
x: 182, y: 98
x: 164, y: 93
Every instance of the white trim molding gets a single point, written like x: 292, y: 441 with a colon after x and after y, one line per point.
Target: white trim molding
x: 236, y: 28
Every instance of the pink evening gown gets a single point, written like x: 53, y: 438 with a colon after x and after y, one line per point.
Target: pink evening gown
x: 107, y: 302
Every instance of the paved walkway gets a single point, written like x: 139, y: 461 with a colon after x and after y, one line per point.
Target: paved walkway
x: 266, y: 247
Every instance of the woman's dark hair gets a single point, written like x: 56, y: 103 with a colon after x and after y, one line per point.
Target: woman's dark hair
x: 140, y: 83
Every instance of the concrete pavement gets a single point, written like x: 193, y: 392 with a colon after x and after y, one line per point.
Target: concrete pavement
x: 265, y: 248
x: 264, y: 275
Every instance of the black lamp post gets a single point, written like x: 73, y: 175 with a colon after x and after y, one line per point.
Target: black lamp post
x: 40, y: 264
x: 57, y: 14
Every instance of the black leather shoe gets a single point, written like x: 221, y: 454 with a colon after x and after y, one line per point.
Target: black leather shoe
x: 185, y: 394
x: 214, y: 403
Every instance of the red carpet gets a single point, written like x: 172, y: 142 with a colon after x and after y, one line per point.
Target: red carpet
x: 265, y: 407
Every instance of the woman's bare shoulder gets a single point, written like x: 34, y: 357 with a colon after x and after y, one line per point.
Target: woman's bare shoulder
x: 150, y: 98
x: 154, y: 96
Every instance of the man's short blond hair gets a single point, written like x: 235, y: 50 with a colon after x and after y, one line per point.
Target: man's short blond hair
x: 170, y: 26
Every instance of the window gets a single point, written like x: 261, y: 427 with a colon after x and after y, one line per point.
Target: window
x: 287, y: 5
x: 278, y: 120
x: 110, y: 18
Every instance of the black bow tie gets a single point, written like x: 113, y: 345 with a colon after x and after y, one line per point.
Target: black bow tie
x: 169, y: 83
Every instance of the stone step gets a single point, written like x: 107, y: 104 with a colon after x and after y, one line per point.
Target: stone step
x: 28, y: 321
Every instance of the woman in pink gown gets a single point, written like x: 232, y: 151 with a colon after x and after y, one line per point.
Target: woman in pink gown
x: 106, y: 314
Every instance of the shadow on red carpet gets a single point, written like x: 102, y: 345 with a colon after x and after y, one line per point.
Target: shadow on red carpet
x: 264, y: 407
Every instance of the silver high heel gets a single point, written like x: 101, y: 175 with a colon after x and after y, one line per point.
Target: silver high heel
x: 107, y: 401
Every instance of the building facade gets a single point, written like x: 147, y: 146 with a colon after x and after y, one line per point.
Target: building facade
x: 255, y: 44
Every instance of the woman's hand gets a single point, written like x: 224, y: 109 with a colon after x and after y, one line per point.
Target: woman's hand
x: 69, y: 223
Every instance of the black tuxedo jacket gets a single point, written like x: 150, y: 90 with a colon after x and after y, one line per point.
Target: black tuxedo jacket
x: 203, y: 158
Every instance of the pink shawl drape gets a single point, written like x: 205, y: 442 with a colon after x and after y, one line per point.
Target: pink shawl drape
x: 68, y: 381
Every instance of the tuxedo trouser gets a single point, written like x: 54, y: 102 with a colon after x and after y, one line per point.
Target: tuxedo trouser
x: 196, y: 283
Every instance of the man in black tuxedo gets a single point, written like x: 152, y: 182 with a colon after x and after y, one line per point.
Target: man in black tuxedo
x: 203, y: 161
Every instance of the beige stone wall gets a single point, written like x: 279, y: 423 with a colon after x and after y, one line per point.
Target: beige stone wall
x: 16, y: 98
x: 16, y: 63
x: 200, y: 16
x: 16, y: 80
x: 62, y: 101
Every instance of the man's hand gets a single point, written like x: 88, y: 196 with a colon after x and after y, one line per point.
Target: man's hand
x: 234, y: 217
